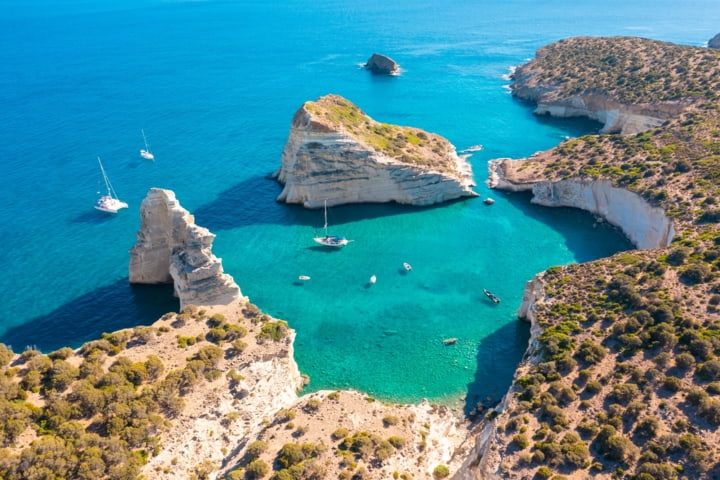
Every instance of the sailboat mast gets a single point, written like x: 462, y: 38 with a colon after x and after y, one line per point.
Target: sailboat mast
x: 105, y: 178
x: 326, y: 231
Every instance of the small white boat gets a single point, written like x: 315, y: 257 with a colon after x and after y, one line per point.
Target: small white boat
x: 109, y: 203
x: 488, y: 201
x: 407, y: 266
x: 450, y: 341
x: 145, y: 152
x: 303, y: 277
x: 330, y: 240
x: 373, y: 279
x: 491, y: 295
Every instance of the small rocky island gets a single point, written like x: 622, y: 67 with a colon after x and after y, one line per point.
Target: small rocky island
x: 336, y: 152
x: 380, y: 64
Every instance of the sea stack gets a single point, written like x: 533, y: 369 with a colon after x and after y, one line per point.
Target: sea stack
x: 337, y: 153
x: 382, y: 65
x: 170, y: 248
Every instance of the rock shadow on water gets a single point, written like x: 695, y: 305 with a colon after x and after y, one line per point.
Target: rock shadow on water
x: 86, y: 318
x: 497, y: 359
x: 584, y: 236
x: 252, y: 202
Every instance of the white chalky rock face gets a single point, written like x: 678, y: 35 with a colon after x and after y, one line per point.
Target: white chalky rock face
x: 170, y: 248
x: 337, y: 153
x: 644, y: 225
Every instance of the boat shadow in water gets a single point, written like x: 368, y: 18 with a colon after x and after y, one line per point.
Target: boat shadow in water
x: 493, y: 377
x: 253, y: 202
x: 92, y: 216
x: 86, y: 318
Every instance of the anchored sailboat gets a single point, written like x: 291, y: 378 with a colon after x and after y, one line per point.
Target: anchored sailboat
x: 145, y: 152
x: 331, y: 240
x: 109, y: 203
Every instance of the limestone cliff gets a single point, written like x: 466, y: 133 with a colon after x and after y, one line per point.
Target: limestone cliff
x: 623, y: 82
x: 335, y: 152
x: 646, y: 226
x: 484, y: 459
x: 170, y: 248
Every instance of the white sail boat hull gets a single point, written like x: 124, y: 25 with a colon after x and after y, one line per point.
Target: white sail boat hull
x: 331, y: 240
x: 145, y: 152
x: 109, y: 203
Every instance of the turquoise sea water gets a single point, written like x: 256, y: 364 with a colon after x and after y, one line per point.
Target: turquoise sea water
x: 214, y: 84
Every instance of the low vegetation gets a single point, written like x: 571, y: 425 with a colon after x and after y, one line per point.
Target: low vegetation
x: 405, y: 144
x: 623, y: 382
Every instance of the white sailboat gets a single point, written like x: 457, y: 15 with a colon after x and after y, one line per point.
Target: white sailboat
x: 109, y: 203
x: 331, y: 240
x: 145, y: 152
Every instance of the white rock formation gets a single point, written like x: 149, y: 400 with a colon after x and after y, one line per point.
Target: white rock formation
x: 170, y: 248
x: 615, y: 117
x: 323, y: 161
x: 644, y: 225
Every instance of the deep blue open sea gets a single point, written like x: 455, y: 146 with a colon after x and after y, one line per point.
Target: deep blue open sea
x: 214, y: 85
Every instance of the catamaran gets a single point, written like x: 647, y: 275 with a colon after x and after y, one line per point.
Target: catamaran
x: 331, y: 240
x: 109, y: 203
x: 145, y: 152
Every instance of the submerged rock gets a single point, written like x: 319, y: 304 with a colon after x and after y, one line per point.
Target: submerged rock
x: 336, y: 153
x: 171, y: 248
x: 382, y: 65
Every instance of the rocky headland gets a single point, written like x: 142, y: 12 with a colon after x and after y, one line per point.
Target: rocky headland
x: 622, y: 372
x: 336, y: 153
x: 381, y: 64
x: 628, y: 84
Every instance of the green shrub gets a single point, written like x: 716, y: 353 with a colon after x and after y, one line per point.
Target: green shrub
x: 521, y: 441
x: 544, y: 472
x: 624, y: 393
x: 390, y: 420
x: 695, y: 273
x: 256, y: 469
x: 255, y: 449
x: 274, y: 331
x: 441, y: 471
x: 591, y: 352
x: 290, y: 454
x: 709, y: 370
x: 397, y: 442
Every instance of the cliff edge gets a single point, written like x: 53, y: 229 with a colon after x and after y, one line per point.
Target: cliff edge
x: 626, y: 83
x: 335, y: 152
